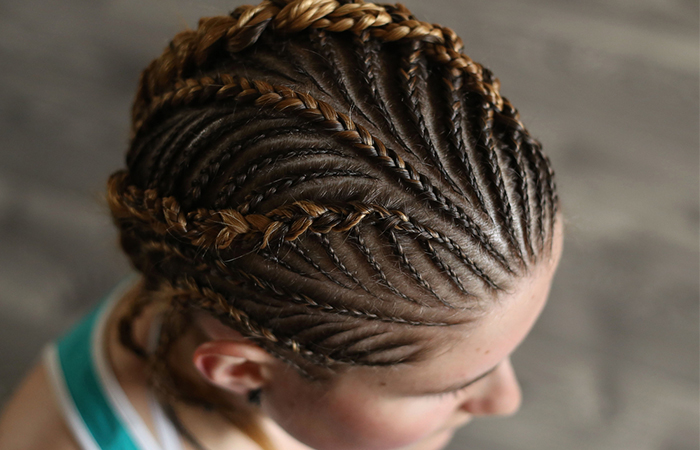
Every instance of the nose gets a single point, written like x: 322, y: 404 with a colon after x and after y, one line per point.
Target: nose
x: 499, y: 395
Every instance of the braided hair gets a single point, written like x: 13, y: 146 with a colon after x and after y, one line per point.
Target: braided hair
x: 335, y: 180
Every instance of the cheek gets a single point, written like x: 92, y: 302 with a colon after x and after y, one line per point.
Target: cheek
x: 353, y: 421
x: 395, y: 423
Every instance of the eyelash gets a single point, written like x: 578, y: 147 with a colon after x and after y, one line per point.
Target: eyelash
x: 448, y: 394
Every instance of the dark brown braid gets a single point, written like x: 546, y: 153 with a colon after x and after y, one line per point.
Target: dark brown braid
x: 313, y: 172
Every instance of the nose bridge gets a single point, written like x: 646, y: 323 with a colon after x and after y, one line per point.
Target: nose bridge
x: 500, y: 394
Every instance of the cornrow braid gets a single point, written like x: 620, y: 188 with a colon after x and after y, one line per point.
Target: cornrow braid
x: 255, y: 198
x: 356, y: 237
x: 305, y: 300
x: 333, y: 179
x: 367, y: 56
x: 453, y: 84
x: 300, y: 251
x: 327, y: 51
x: 504, y: 209
x: 430, y: 250
x: 209, y: 172
x: 411, y: 76
x: 325, y: 243
x: 285, y: 99
x: 512, y: 147
x: 406, y: 264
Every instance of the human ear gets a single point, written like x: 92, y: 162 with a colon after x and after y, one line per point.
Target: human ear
x: 238, y: 367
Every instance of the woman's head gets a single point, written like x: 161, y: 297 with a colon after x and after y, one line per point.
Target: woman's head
x: 337, y: 183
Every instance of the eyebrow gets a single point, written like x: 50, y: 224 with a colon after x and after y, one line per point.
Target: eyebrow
x: 459, y: 387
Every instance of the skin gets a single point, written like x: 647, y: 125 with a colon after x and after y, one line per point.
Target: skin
x: 368, y: 408
x: 363, y: 408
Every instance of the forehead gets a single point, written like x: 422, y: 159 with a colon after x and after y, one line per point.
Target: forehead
x: 474, y: 348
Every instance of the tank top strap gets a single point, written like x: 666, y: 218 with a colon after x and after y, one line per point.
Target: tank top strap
x: 96, y: 407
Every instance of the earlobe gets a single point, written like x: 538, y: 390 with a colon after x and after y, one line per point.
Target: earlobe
x: 237, y: 367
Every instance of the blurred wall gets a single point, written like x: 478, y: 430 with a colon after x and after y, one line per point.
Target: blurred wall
x: 610, y: 88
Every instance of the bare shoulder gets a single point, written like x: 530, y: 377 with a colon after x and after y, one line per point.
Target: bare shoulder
x: 31, y: 419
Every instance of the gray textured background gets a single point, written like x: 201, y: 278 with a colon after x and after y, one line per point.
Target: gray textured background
x: 610, y: 87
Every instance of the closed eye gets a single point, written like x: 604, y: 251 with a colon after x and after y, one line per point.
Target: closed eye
x: 456, y: 391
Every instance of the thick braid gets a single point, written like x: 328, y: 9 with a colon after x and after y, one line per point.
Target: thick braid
x: 406, y: 264
x: 253, y: 199
x: 356, y: 237
x: 411, y: 75
x: 126, y: 333
x: 453, y: 83
x: 444, y: 267
x: 219, y: 229
x: 243, y: 29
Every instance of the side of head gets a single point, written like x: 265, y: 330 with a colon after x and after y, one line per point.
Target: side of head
x: 341, y: 189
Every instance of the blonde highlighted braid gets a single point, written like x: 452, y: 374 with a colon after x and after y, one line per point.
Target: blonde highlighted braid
x: 303, y: 169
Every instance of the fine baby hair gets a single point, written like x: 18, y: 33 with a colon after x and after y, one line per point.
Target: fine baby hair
x: 334, y: 180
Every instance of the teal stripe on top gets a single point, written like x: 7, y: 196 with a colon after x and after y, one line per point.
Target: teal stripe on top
x: 76, y: 360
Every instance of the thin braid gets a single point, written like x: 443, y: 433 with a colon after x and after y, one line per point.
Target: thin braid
x: 305, y: 300
x: 539, y: 183
x: 426, y: 233
x: 285, y: 99
x: 327, y: 51
x: 169, y: 152
x: 199, y: 143
x: 513, y: 138
x: 163, y: 133
x: 356, y: 237
x: 411, y: 74
x: 406, y: 264
x: 213, y: 301
x: 284, y: 55
x: 268, y: 255
x: 328, y: 248
x: 492, y: 158
x: 547, y: 187
x: 453, y: 84
x: 442, y: 265
x: 176, y: 133
x: 300, y: 251
x: 237, y: 180
x: 367, y: 51
x: 209, y: 172
x: 256, y: 197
